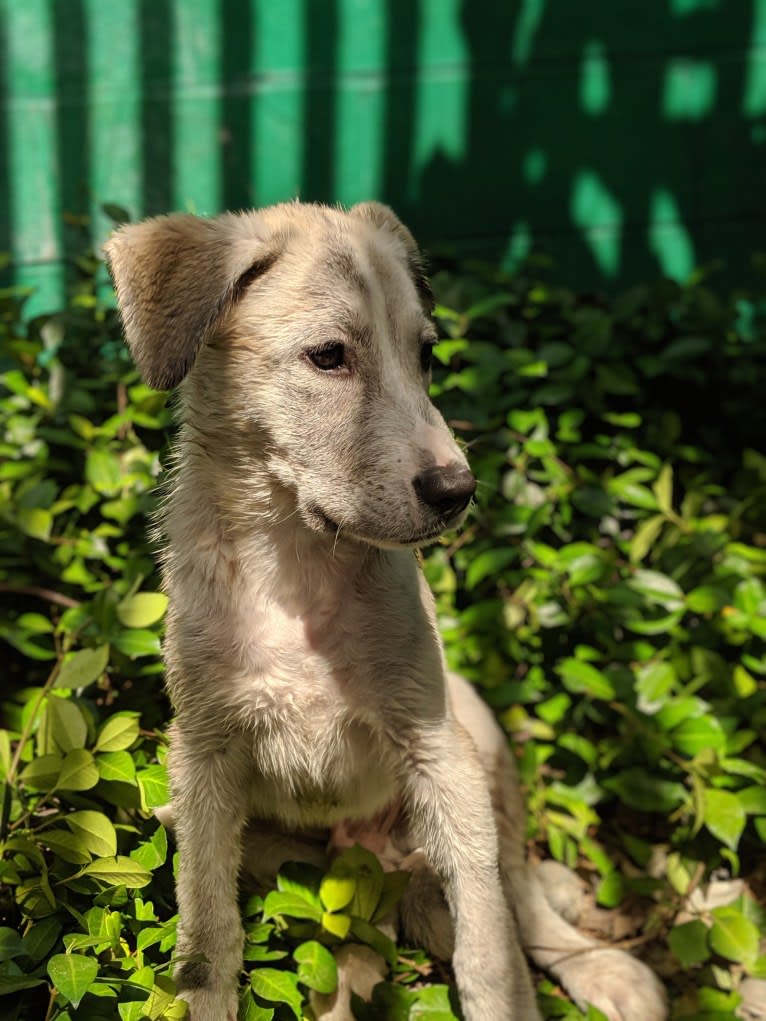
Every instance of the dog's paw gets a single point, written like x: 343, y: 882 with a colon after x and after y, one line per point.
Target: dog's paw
x: 209, y: 1005
x: 619, y: 985
x: 563, y: 889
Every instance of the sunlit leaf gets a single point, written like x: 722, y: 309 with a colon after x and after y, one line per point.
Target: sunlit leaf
x: 72, y: 974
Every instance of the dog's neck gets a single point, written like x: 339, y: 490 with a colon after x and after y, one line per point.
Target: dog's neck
x: 270, y: 555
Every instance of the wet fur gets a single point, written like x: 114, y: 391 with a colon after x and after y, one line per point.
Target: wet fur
x: 303, y: 658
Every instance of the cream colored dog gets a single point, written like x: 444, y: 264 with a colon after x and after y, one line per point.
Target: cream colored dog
x: 302, y: 652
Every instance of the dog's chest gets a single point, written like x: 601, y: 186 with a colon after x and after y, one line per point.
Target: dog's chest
x: 321, y: 686
x: 316, y: 702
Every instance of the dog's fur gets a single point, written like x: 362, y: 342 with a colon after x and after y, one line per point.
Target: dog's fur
x: 302, y: 652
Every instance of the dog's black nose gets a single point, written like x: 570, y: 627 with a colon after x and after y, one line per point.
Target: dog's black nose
x: 446, y: 489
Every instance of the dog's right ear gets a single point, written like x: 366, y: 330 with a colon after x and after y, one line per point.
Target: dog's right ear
x: 176, y: 276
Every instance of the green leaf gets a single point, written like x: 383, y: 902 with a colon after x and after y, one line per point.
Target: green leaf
x: 290, y: 904
x: 35, y: 522
x: 116, y: 213
x: 654, y: 683
x: 16, y: 983
x: 83, y: 667
x: 693, y: 736
x: 138, y: 642
x: 611, y: 890
x: 638, y: 788
x: 42, y: 773
x: 67, y: 846
x: 337, y: 924
x: 689, y: 943
x: 142, y: 609
x: 645, y: 536
x: 153, y: 785
x: 103, y: 471
x: 390, y: 1001
x: 35, y: 623
x: 302, y: 879
x: 583, y: 678
x: 118, y: 871
x: 78, y: 771
x: 706, y: 599
x: 490, y: 563
x: 734, y: 936
x: 663, y: 489
x: 118, y: 766
x: 370, y: 934
x: 62, y: 726
x: 658, y: 588
x: 10, y: 944
x: 753, y: 800
x: 585, y: 564
x: 161, y: 997
x: 118, y: 733
x: 432, y: 1004
x: 368, y: 873
x: 71, y: 974
x: 744, y: 683
x: 316, y: 967
x: 680, y: 708
x: 337, y: 890
x: 41, y: 938
x: 750, y: 596
x: 278, y: 987
x: 394, y: 885
x: 95, y: 830
x: 249, y: 1010
x: 724, y: 816
x: 153, y: 852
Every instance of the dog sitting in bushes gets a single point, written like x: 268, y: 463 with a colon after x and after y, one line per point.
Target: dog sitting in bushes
x: 303, y: 658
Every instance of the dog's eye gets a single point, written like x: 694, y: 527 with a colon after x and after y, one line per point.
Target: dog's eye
x: 328, y: 358
x: 427, y: 355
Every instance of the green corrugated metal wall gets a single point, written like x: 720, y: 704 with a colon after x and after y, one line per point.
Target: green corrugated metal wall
x: 625, y: 136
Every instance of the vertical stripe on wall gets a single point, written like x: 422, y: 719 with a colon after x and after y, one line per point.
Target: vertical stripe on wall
x: 114, y: 107
x: 197, y: 107
x: 441, y: 100
x: 358, y: 153
x: 279, y: 106
x: 33, y: 195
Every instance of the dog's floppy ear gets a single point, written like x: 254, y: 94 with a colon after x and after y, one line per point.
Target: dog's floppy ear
x: 176, y: 276
x: 383, y: 217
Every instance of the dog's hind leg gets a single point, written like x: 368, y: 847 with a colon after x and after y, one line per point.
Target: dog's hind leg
x: 621, y: 986
x: 618, y: 984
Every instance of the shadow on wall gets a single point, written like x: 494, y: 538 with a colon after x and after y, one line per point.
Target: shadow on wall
x: 624, y: 138
x: 628, y: 142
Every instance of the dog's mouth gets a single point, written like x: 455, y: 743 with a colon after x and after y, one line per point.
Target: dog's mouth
x: 317, y: 519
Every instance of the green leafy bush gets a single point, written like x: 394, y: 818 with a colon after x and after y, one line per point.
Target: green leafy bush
x: 607, y: 595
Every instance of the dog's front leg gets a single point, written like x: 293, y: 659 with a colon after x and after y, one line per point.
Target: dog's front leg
x: 451, y: 816
x: 208, y: 795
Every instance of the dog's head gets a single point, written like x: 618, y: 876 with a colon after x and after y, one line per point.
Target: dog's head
x: 303, y: 338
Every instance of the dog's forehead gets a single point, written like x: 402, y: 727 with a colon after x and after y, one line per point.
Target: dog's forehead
x: 336, y: 272
x: 365, y: 269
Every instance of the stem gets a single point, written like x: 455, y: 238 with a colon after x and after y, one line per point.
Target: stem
x: 51, y: 1003
x: 31, y: 720
x: 49, y: 595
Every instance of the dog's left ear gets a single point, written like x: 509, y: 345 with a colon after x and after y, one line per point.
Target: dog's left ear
x: 176, y: 277
x: 383, y: 217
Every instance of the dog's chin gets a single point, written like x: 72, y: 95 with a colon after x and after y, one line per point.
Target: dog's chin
x: 321, y: 522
